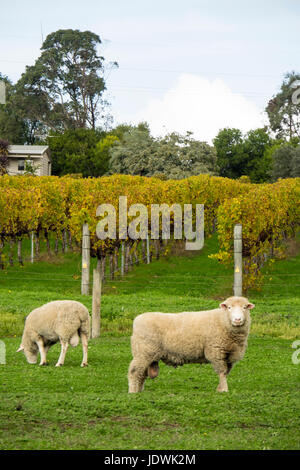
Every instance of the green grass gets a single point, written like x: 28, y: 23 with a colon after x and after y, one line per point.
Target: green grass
x: 75, y: 408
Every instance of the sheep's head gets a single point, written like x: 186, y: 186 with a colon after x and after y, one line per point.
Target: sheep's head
x: 237, y: 309
x: 30, y: 351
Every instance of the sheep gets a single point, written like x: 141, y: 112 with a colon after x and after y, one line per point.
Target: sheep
x: 60, y: 320
x: 216, y: 336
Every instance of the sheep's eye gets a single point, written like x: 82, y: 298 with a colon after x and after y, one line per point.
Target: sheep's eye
x: 245, y: 306
x: 229, y: 308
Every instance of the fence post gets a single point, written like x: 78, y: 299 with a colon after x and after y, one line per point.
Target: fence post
x: 85, y: 276
x: 148, y: 249
x: 238, y: 261
x: 96, y: 307
x: 20, y: 252
x: 122, y: 258
x: 32, y: 247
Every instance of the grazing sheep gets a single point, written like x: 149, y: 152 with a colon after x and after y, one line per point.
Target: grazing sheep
x: 61, y: 320
x: 216, y: 336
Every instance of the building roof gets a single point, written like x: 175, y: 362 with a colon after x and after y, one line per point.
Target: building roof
x: 27, y: 149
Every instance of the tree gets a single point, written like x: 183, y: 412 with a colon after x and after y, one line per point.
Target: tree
x: 12, y: 127
x: 82, y: 151
x: 284, y: 108
x: 258, y: 162
x: 173, y: 156
x: 230, y: 153
x: 63, y: 89
x: 240, y: 154
x: 132, y: 154
x: 286, y: 162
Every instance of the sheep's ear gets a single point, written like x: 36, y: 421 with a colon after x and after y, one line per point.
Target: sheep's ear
x: 21, y: 348
x: 223, y: 306
x: 250, y: 306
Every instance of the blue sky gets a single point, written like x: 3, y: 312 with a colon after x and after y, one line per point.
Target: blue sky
x: 183, y: 65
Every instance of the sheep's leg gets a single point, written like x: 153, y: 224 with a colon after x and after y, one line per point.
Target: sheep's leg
x: 221, y: 368
x: 137, y: 375
x: 43, y: 352
x: 64, y: 347
x: 84, y: 340
x: 222, y: 387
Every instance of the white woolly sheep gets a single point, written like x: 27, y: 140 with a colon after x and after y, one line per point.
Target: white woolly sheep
x: 61, y: 320
x: 216, y: 336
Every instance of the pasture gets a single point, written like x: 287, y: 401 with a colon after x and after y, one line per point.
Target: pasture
x: 74, y: 408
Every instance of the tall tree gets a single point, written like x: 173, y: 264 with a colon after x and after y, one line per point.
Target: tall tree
x: 284, y: 108
x: 64, y: 89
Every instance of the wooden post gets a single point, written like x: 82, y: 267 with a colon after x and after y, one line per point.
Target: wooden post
x: 111, y: 266
x: 122, y: 258
x: 32, y: 247
x: 238, y: 261
x: 148, y: 249
x: 116, y: 259
x: 103, y: 263
x: 96, y: 306
x: 65, y: 241
x: 126, y: 266
x: 85, y: 276
x: 37, y: 245
x: 144, y: 256
x: 20, y: 252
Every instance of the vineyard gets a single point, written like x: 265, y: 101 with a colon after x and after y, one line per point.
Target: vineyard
x: 56, y: 208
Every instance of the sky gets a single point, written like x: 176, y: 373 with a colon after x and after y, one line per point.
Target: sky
x: 192, y: 65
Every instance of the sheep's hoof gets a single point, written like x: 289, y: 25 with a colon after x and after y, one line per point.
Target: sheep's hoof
x: 43, y: 364
x: 84, y: 364
x: 58, y: 365
x: 222, y: 389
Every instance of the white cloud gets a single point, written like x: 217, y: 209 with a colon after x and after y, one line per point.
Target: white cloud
x: 202, y: 106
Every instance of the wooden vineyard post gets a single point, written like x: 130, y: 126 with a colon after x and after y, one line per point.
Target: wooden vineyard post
x: 96, y: 305
x: 122, y: 258
x: 20, y: 252
x: 32, y: 247
x: 238, y: 261
x: 148, y: 249
x: 85, y: 275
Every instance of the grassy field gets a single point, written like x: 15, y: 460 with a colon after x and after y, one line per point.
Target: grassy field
x: 74, y: 408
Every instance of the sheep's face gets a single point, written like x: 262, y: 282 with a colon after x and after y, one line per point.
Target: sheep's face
x: 31, y: 353
x: 237, y: 309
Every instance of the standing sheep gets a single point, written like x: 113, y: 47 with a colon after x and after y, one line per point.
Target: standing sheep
x: 61, y: 320
x: 216, y: 336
